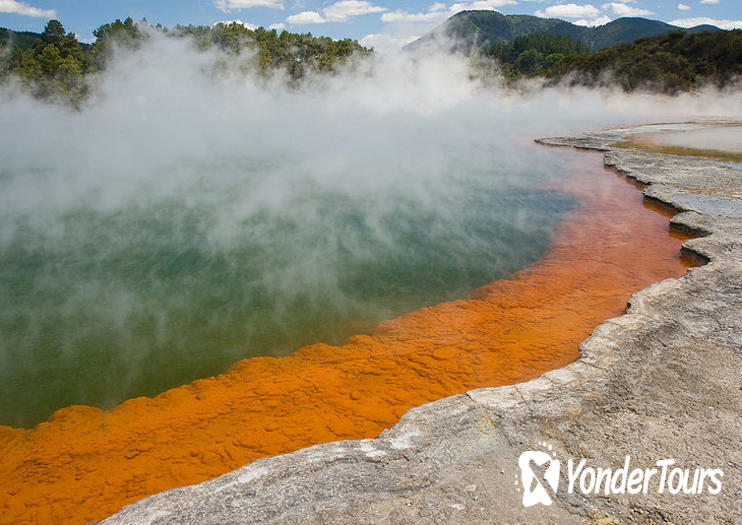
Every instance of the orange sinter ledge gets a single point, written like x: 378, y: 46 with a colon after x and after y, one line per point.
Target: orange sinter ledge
x: 84, y: 464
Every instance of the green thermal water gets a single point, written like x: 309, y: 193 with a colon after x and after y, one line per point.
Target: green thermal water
x: 99, y: 305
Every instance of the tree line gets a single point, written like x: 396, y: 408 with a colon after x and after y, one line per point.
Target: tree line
x: 670, y: 63
x: 57, y: 65
x: 532, y: 54
x: 54, y: 65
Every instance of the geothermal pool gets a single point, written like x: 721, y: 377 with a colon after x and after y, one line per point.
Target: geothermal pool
x: 274, y: 268
x: 722, y: 140
x: 99, y: 304
x: 84, y: 463
x: 725, y: 139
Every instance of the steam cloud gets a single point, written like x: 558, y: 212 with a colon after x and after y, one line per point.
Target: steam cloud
x: 190, y: 216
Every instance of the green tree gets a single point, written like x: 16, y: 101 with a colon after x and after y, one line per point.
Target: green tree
x: 53, y: 32
x: 53, y: 66
x: 49, y: 60
x: 529, y: 61
x: 553, y: 59
x: 126, y: 34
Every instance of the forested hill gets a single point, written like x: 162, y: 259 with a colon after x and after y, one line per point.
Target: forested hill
x: 667, y: 63
x: 22, y: 39
x: 474, y: 30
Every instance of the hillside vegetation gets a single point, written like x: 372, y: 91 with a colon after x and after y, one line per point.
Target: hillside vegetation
x: 533, y: 53
x: 22, y: 39
x: 53, y: 64
x: 633, y: 53
x: 474, y: 31
x: 667, y: 63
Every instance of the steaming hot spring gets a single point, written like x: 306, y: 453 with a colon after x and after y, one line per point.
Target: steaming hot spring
x: 195, y: 273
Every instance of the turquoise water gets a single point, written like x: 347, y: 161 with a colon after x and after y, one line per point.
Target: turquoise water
x: 99, y: 305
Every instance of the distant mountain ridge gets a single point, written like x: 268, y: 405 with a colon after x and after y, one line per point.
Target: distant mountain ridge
x: 22, y: 39
x: 471, y: 30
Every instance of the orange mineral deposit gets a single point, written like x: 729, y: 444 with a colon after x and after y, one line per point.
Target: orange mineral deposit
x: 84, y: 464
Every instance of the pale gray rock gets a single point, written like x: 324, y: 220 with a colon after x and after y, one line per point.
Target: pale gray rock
x: 661, y: 381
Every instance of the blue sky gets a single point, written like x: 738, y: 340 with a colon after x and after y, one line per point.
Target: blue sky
x: 381, y: 23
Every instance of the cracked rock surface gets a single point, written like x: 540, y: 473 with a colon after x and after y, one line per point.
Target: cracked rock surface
x: 662, y: 381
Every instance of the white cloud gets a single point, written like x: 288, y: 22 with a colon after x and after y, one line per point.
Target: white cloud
x: 343, y: 10
x: 227, y: 5
x: 683, y: 7
x: 19, y: 8
x: 337, y: 12
x: 438, y: 12
x: 709, y: 1
x: 621, y: 9
x: 435, y: 12
x: 569, y: 11
x: 384, y: 43
x: 479, y: 5
x: 306, y: 17
x: 692, y: 22
x: 599, y: 21
x: 85, y: 40
x: 248, y: 25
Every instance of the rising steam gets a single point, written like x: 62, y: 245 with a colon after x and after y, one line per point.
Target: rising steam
x: 190, y: 215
